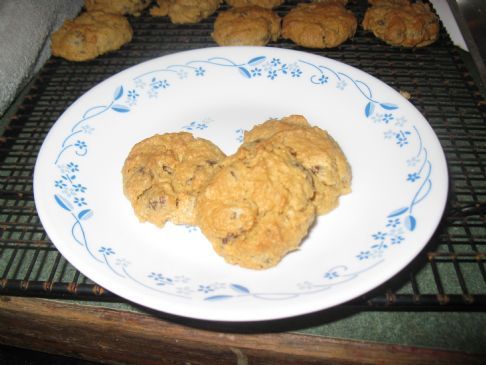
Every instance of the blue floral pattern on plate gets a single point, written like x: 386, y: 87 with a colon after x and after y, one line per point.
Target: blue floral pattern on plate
x: 72, y: 195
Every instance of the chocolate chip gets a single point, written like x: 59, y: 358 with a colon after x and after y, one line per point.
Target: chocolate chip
x: 154, y: 203
x: 229, y: 238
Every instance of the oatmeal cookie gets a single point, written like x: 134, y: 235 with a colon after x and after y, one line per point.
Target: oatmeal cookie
x: 122, y: 7
x: 316, y: 150
x: 163, y: 174
x: 245, y: 26
x: 270, y: 127
x: 409, y: 25
x: 185, y: 11
x: 257, y: 207
x: 319, y: 25
x: 89, y: 35
x: 268, y: 4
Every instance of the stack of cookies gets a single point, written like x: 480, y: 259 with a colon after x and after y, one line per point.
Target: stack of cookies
x: 254, y: 206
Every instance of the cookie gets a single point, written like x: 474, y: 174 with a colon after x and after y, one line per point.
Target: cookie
x: 122, y: 7
x: 270, y: 127
x: 163, y: 174
x: 268, y: 4
x: 185, y: 11
x: 258, y: 207
x: 89, y: 35
x: 319, y: 25
x: 409, y: 25
x: 316, y: 150
x: 246, y: 26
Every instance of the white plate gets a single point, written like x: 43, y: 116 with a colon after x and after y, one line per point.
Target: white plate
x: 399, y: 182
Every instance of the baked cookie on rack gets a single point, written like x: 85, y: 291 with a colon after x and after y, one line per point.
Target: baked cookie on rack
x: 319, y: 25
x: 258, y: 207
x: 90, y: 35
x: 122, y: 7
x: 246, y: 26
x: 185, y: 11
x: 316, y: 150
x: 163, y: 174
x: 268, y: 4
x: 404, y: 25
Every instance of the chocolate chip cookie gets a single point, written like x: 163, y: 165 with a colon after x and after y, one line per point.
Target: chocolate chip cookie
x: 405, y: 25
x: 316, y: 150
x: 319, y: 25
x: 258, y: 207
x: 163, y: 174
x: 245, y: 26
x: 90, y: 35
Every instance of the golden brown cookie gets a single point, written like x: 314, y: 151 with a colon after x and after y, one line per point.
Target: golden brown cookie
x: 163, y: 174
x: 89, y: 35
x: 258, y: 207
x: 122, y: 7
x: 410, y: 25
x: 185, y: 11
x: 319, y: 25
x: 246, y: 26
x: 268, y: 4
x: 270, y: 127
x: 316, y: 150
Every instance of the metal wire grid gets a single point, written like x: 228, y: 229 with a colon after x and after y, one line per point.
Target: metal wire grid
x: 449, y: 273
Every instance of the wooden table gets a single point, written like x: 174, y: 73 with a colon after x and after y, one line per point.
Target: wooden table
x: 122, y: 337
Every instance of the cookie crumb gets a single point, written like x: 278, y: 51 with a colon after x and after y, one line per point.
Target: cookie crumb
x: 405, y: 94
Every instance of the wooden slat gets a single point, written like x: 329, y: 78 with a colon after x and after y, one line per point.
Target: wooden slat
x: 121, y: 337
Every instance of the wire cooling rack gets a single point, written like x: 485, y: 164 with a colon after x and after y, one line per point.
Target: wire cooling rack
x: 449, y: 274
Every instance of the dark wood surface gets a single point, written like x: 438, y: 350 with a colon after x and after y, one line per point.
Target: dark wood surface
x: 122, y: 337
